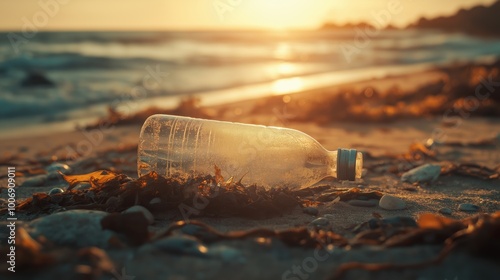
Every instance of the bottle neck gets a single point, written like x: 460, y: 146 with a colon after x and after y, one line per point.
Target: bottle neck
x: 332, y: 163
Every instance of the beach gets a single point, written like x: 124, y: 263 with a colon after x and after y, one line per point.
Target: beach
x: 224, y: 139
x: 471, y: 138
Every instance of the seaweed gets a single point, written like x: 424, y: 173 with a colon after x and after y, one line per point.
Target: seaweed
x: 115, y: 192
x: 450, y: 95
x: 477, y: 236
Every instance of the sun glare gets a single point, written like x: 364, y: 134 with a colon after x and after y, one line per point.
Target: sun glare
x: 280, y: 15
x: 285, y: 86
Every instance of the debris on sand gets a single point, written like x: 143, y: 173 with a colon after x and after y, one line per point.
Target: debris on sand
x: 370, y: 105
x: 113, y: 192
x: 422, y: 174
x: 477, y: 236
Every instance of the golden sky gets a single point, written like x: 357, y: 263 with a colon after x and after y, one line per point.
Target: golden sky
x: 211, y: 14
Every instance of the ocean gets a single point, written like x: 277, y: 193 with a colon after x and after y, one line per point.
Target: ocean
x: 132, y: 70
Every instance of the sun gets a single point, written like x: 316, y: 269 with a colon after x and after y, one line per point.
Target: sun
x: 275, y: 14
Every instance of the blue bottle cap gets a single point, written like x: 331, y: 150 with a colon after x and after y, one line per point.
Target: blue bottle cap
x: 346, y: 164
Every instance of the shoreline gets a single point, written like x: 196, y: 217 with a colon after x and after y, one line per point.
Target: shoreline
x: 379, y: 77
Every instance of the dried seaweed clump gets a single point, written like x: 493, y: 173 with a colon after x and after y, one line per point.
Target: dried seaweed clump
x: 194, y: 195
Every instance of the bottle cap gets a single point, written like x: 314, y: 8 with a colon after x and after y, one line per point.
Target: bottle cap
x: 346, y: 164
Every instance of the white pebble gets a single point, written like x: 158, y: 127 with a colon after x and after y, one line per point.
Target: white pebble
x: 143, y: 210
x: 424, y: 173
x: 389, y: 202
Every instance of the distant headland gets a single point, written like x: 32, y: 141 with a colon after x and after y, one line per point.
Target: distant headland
x: 479, y: 20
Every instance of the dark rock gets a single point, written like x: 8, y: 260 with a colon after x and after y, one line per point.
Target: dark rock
x: 311, y: 211
x: 467, y: 207
x: 75, y: 228
x: 35, y: 181
x: 445, y: 211
x: 36, y: 79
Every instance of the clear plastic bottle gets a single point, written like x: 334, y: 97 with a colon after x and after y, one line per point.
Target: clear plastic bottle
x: 263, y: 155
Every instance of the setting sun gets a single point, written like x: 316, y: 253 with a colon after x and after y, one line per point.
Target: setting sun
x: 211, y: 14
x: 280, y: 14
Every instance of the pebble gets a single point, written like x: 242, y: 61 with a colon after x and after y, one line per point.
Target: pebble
x: 56, y: 166
x: 389, y: 202
x: 467, y: 207
x: 311, y: 211
x: 329, y: 216
x: 445, y: 211
x: 227, y: 254
x: 179, y: 245
x: 74, y: 228
x: 199, y: 232
x: 424, y: 173
x: 320, y: 222
x: 35, y: 181
x: 363, y: 203
x: 155, y: 200
x: 55, y: 191
x: 82, y: 186
x: 143, y: 210
x: 54, y: 176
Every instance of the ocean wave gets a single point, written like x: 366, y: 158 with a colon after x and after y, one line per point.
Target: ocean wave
x: 92, y: 68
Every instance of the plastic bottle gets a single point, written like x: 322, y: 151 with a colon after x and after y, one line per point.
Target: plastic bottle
x: 262, y: 155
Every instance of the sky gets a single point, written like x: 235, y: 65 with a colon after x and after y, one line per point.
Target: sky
x: 213, y: 14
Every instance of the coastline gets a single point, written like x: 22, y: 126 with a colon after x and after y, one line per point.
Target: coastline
x: 406, y: 77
